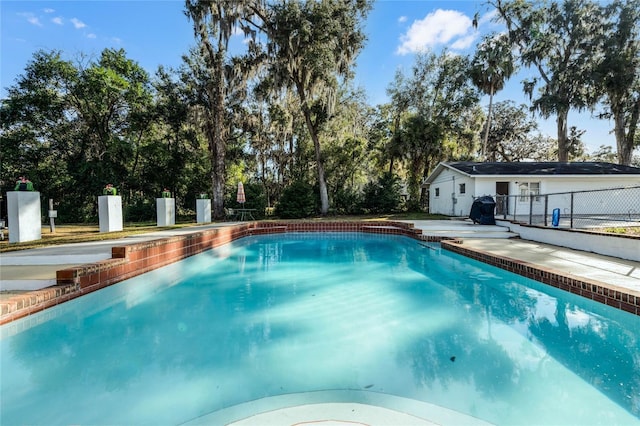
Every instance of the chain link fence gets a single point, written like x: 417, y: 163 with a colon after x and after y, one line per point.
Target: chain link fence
x: 600, y: 208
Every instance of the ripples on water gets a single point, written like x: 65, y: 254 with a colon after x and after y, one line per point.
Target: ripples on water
x: 277, y: 315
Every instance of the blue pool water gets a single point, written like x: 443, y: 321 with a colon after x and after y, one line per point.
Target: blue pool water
x: 299, y: 315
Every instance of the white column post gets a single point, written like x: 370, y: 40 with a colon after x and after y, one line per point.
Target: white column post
x: 203, y: 210
x: 110, y: 213
x: 23, y: 209
x: 166, y: 211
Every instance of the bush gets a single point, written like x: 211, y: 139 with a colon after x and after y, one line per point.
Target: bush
x: 297, y: 201
x: 140, y: 209
x: 382, y: 196
x: 75, y: 210
x: 346, y: 202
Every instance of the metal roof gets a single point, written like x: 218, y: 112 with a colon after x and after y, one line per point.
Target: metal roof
x: 542, y: 168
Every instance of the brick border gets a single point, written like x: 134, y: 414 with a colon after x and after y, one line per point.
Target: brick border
x: 617, y: 297
x: 134, y: 259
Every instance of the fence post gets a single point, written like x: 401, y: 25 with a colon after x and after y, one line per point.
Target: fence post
x: 530, y: 209
x: 505, y: 206
x: 52, y: 215
x: 571, y: 212
x: 546, y: 208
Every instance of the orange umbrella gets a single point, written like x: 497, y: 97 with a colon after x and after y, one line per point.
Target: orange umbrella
x: 240, y: 197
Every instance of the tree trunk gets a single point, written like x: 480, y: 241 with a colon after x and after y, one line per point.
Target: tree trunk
x: 324, y: 196
x: 414, y: 181
x: 486, y: 131
x: 625, y: 137
x: 624, y: 149
x: 563, y: 149
x: 217, y: 135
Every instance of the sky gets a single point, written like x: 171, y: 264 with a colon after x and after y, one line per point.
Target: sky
x: 156, y: 32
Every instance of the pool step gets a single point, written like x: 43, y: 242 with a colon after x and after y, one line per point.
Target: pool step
x: 472, y: 234
x: 462, y: 229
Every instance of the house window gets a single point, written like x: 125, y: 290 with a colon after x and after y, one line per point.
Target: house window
x: 527, y: 189
x: 462, y: 188
x: 437, y: 192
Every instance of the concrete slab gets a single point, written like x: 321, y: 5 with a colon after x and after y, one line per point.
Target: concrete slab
x: 460, y: 228
x: 35, y: 269
x: 606, y: 269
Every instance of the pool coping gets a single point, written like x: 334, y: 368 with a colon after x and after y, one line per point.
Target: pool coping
x: 128, y: 261
x: 609, y: 294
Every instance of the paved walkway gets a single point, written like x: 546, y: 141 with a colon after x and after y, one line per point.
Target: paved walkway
x: 606, y: 269
x: 34, y: 269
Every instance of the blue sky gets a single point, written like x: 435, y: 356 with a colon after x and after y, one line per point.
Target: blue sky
x: 155, y: 32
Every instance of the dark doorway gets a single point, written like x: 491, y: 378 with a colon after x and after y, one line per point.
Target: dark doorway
x: 502, y: 198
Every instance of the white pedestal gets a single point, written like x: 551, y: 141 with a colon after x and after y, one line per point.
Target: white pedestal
x: 203, y: 210
x: 166, y: 211
x: 110, y: 213
x: 23, y: 209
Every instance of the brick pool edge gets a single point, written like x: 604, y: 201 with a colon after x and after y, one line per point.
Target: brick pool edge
x: 128, y: 261
x: 608, y: 294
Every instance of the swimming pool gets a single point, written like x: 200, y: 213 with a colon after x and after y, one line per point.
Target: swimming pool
x: 322, y: 317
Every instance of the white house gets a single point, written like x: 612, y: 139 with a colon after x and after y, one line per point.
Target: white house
x: 454, y: 186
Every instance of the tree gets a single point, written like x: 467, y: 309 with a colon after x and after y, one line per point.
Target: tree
x: 311, y: 46
x: 617, y: 74
x: 510, y: 134
x: 604, y: 153
x: 431, y: 108
x: 513, y: 137
x: 558, y: 40
x: 113, y: 99
x: 214, y: 22
x: 35, y: 127
x: 345, y: 143
x: 79, y: 126
x: 491, y: 67
x: 174, y: 157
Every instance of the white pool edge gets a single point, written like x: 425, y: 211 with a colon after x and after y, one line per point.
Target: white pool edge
x: 336, y: 406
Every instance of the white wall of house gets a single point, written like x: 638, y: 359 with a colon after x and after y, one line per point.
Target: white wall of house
x: 445, y: 196
x: 451, y: 194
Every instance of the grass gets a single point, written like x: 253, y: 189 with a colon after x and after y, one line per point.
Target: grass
x: 622, y: 230
x: 80, y: 233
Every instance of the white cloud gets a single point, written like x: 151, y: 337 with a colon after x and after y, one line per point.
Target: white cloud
x: 402, y: 19
x: 439, y: 27
x: 48, y: 10
x: 31, y: 18
x: 57, y: 20
x: 78, y: 23
x: 464, y: 42
x: 34, y: 21
x: 488, y: 18
x: 91, y: 35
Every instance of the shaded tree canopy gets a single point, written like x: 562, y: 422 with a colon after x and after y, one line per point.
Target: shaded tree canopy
x: 283, y: 109
x: 558, y: 40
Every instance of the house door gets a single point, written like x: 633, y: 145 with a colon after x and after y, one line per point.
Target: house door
x: 502, y: 198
